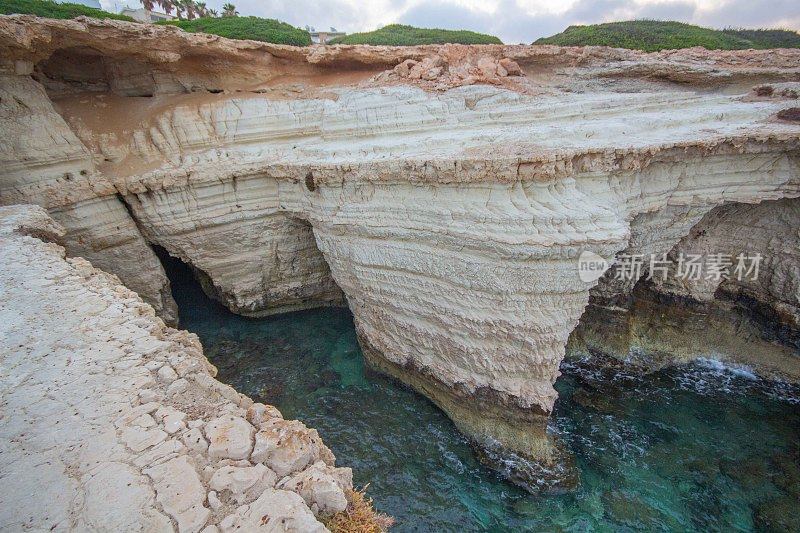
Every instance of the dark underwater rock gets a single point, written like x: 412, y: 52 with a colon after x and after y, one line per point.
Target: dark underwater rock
x: 778, y: 515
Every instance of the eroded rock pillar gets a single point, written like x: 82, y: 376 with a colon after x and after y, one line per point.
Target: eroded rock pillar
x: 469, y: 293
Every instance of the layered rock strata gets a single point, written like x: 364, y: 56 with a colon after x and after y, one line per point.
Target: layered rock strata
x: 450, y: 213
x: 113, y: 421
x: 43, y: 162
x: 747, y: 317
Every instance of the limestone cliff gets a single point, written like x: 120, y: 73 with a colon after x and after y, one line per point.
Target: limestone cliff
x: 119, y: 424
x: 448, y: 192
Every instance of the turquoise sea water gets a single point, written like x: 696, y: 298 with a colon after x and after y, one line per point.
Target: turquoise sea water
x: 700, y: 448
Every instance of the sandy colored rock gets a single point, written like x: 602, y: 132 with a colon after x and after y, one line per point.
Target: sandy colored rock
x: 243, y: 484
x: 229, y: 437
x: 105, y: 461
x: 180, y: 493
x: 258, y: 413
x: 274, y: 511
x: 195, y: 440
x: 288, y: 446
x: 322, y: 486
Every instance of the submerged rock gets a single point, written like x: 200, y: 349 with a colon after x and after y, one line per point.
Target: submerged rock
x: 749, y: 473
x: 603, y: 401
x: 630, y: 511
x: 558, y: 475
x: 777, y: 516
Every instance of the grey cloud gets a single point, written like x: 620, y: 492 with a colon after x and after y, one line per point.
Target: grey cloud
x: 753, y: 14
x: 682, y: 11
x: 509, y: 22
x: 512, y: 24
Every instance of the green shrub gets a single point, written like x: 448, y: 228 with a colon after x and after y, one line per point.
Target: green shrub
x: 50, y: 9
x: 767, y: 38
x: 654, y: 35
x: 252, y: 28
x: 400, y: 35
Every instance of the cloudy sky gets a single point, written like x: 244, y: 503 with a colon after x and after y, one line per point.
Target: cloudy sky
x: 514, y: 21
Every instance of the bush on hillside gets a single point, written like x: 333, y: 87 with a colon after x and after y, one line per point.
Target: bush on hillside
x: 252, y: 28
x: 50, y: 9
x: 654, y: 35
x: 400, y: 35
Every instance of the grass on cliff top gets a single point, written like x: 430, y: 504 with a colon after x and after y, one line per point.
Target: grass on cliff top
x: 400, y: 35
x: 654, y: 35
x: 50, y: 9
x: 252, y: 28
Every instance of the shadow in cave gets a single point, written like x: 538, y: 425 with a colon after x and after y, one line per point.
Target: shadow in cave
x: 186, y: 289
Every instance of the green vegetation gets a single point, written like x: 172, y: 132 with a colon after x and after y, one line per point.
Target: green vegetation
x: 763, y: 39
x: 400, y: 35
x: 654, y: 35
x: 49, y: 9
x: 253, y: 28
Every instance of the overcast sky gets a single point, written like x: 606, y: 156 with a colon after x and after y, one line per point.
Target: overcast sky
x: 514, y: 21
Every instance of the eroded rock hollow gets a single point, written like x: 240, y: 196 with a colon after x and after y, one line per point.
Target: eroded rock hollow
x: 445, y: 193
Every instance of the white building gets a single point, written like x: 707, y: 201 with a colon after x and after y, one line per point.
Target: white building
x: 141, y: 15
x: 322, y: 37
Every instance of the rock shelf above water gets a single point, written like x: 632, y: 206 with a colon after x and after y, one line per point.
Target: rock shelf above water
x: 113, y: 421
x: 444, y: 198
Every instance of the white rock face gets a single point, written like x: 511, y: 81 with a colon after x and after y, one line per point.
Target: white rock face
x: 43, y: 162
x: 253, y: 258
x: 76, y: 347
x: 475, y: 280
x: 451, y: 220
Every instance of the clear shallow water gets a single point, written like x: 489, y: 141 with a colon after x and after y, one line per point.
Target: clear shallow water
x: 699, y: 448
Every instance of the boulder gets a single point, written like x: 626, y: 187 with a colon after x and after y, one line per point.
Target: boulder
x: 275, y: 510
x: 510, y: 66
x: 288, y: 446
x: 321, y: 485
x: 229, y: 437
x: 242, y: 484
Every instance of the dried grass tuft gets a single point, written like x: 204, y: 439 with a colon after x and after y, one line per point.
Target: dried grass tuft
x: 359, y: 517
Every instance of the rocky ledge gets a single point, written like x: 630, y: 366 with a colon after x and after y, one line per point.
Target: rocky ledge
x: 447, y: 193
x: 112, y: 421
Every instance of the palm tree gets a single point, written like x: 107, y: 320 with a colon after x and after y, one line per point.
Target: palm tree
x: 229, y: 10
x: 179, y: 9
x: 201, y: 9
x: 166, y: 5
x: 189, y: 7
x: 213, y: 13
x: 148, y: 6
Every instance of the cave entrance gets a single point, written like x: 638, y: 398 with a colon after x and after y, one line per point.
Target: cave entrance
x: 84, y: 69
x: 186, y: 285
x: 745, y: 316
